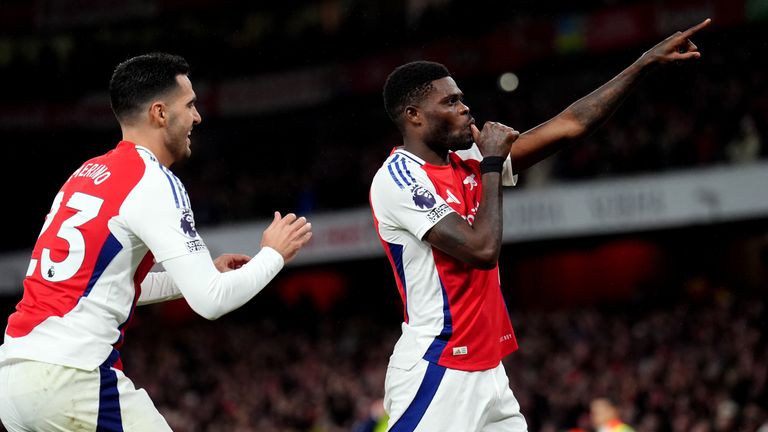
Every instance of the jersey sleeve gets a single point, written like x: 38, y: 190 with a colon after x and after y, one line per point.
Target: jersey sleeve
x: 158, y: 287
x: 212, y: 294
x: 159, y: 213
x: 508, y: 176
x: 405, y: 198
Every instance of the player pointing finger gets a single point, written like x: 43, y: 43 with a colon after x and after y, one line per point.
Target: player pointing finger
x: 677, y: 47
x: 437, y: 207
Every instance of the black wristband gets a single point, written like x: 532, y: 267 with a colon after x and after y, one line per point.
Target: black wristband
x: 492, y: 164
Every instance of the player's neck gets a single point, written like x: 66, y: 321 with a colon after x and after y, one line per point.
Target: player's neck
x: 425, y: 152
x: 152, y: 142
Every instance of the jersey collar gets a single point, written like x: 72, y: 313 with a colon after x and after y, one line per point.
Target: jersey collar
x: 141, y: 148
x: 406, y: 153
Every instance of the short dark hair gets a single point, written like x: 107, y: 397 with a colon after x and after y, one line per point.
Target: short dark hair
x: 139, y: 79
x: 408, y: 84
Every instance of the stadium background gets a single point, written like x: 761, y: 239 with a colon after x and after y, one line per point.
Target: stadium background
x: 635, y: 267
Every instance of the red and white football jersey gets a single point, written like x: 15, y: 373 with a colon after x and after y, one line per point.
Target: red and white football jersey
x: 455, y: 315
x: 92, y: 254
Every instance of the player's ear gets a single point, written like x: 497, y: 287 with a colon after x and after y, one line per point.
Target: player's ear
x: 412, y: 115
x: 158, y: 113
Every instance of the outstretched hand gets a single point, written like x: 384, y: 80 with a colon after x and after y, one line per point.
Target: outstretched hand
x: 677, y: 47
x: 287, y: 235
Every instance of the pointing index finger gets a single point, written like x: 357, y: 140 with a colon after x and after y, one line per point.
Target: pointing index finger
x: 693, y: 30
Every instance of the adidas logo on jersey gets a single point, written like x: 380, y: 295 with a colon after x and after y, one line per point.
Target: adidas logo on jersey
x: 451, y: 197
x: 462, y: 350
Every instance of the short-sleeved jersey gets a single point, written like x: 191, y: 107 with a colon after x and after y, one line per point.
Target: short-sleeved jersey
x: 92, y: 253
x: 455, y: 315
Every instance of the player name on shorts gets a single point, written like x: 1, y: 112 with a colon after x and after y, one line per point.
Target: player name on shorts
x: 98, y: 172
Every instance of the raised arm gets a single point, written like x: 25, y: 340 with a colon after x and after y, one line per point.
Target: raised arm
x: 587, y: 114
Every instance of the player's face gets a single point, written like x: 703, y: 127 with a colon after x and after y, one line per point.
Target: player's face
x: 448, y: 118
x: 182, y: 116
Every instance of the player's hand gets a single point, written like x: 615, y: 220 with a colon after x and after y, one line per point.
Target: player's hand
x: 495, y: 139
x: 227, y: 262
x: 287, y: 235
x: 677, y: 47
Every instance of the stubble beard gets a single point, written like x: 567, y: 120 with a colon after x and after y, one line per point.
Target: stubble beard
x: 179, y: 149
x: 442, y: 138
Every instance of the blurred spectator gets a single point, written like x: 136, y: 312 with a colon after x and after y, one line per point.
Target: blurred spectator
x: 605, y: 416
x: 745, y: 145
x: 377, y: 419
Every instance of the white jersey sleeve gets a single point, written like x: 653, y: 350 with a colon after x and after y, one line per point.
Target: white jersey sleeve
x: 158, y: 287
x: 403, y: 197
x: 158, y: 213
x: 508, y: 177
x: 212, y: 294
x: 209, y: 292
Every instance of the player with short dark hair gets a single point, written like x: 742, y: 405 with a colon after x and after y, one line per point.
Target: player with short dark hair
x: 114, y: 217
x: 409, y: 84
x: 139, y: 79
x: 437, y: 207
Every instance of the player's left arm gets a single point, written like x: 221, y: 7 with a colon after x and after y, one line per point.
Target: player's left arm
x: 159, y: 287
x: 587, y: 114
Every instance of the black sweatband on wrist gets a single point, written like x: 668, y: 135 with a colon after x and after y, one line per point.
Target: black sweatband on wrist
x: 492, y: 164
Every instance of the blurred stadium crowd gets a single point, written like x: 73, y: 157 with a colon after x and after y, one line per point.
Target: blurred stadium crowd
x: 715, y: 112
x: 695, y: 365
x: 290, y: 92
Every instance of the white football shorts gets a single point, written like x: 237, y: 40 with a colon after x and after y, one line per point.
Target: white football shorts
x: 44, y: 397
x: 428, y: 398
